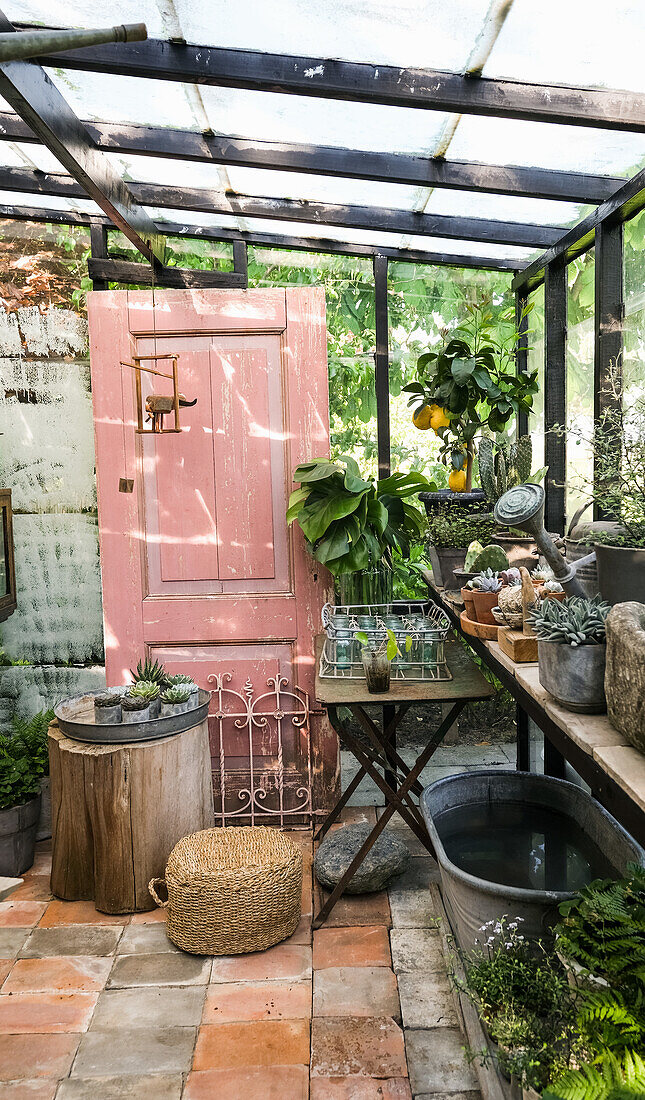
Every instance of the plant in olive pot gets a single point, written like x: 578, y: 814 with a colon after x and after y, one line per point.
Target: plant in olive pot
x: 617, y: 488
x: 351, y: 524
x: 20, y: 779
x: 174, y: 700
x: 571, y: 651
x: 469, y: 383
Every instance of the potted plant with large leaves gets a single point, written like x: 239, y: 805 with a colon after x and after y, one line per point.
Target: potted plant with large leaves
x: 470, y: 383
x: 352, y: 523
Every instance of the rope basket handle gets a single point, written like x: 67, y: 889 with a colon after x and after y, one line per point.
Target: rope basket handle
x: 151, y: 887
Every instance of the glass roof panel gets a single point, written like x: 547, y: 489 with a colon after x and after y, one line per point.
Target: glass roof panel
x: 570, y: 148
x: 505, y: 208
x: 577, y: 42
x: 48, y: 202
x: 124, y: 98
x: 296, y: 185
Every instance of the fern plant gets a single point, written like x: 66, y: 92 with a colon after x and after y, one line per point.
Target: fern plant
x: 614, y: 1079
x: 31, y: 735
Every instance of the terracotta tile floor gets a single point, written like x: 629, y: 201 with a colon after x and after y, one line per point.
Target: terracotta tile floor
x: 105, y: 1008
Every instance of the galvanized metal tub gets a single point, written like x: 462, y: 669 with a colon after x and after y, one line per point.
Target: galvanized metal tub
x: 470, y: 901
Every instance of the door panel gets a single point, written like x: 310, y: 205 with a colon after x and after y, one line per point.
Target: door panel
x: 199, y: 568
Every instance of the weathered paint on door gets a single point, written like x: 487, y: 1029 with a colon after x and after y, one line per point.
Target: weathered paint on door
x: 199, y: 569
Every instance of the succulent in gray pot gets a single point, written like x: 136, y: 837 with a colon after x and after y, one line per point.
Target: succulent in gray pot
x: 134, y: 708
x: 150, y: 691
x: 186, y: 683
x: 572, y: 651
x: 20, y: 782
x: 107, y: 708
x: 174, y: 700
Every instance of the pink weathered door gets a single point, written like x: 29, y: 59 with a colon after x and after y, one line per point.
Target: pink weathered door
x: 199, y: 568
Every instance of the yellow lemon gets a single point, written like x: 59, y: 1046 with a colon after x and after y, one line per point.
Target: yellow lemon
x: 457, y: 481
x: 422, y: 417
x: 439, y: 418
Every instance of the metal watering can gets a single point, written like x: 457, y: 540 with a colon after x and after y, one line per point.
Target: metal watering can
x: 523, y: 507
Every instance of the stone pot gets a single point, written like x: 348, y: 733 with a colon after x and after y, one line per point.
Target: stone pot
x: 469, y: 602
x: 484, y: 604
x: 168, y: 709
x: 444, y: 560
x: 621, y: 573
x: 45, y: 820
x: 18, y: 828
x: 574, y: 675
x: 625, y: 671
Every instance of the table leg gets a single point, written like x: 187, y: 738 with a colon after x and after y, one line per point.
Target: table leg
x: 390, y: 719
x: 389, y: 810
x: 554, y: 763
x: 383, y: 741
x: 523, y: 739
x: 339, y: 806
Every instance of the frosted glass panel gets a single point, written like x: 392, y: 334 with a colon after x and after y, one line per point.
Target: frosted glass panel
x: 536, y: 362
x: 580, y: 379
x: 634, y: 323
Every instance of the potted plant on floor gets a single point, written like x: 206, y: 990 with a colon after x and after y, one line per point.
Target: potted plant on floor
x: 571, y: 651
x: 470, y: 383
x: 20, y: 799
x: 351, y: 524
x: 32, y: 735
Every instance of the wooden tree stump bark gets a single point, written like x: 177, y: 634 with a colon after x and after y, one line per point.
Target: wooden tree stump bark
x: 118, y: 810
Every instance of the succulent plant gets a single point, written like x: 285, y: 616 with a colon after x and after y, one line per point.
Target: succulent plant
x: 145, y: 689
x: 491, y: 557
x: 150, y: 670
x: 487, y: 581
x: 552, y: 586
x: 175, y: 695
x: 542, y: 573
x: 511, y: 576
x: 107, y: 699
x: 180, y: 678
x: 574, y: 621
x: 134, y: 702
x: 503, y: 465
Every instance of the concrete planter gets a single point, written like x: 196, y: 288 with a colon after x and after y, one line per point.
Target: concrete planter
x: 444, y: 560
x: 574, y: 675
x: 18, y: 828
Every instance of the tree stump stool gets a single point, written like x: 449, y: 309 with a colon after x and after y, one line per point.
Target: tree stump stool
x: 118, y: 811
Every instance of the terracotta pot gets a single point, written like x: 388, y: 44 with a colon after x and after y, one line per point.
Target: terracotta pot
x: 469, y: 603
x: 484, y: 602
x: 560, y: 596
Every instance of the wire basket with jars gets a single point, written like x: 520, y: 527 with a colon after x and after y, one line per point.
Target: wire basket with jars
x: 420, y: 629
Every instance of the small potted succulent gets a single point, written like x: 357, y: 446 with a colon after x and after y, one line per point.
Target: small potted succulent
x: 107, y: 708
x: 486, y: 587
x: 151, y: 671
x: 174, y: 700
x: 186, y: 683
x: 552, y: 590
x: 134, y: 708
x: 571, y: 651
x: 20, y: 784
x: 148, y: 690
x: 377, y: 654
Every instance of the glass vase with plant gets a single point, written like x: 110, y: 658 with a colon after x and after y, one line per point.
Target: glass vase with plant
x: 352, y: 524
x: 471, y: 382
x: 378, y: 650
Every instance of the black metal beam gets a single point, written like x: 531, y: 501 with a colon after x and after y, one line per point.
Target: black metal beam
x: 382, y: 366
x: 30, y: 92
x: 328, y: 160
x: 555, y: 393
x: 124, y: 271
x: 608, y: 329
x: 627, y: 201
x: 231, y: 204
x: 357, y: 82
x: 272, y: 240
x: 99, y: 249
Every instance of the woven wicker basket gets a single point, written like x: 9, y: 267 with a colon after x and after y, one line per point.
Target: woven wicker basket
x: 232, y: 890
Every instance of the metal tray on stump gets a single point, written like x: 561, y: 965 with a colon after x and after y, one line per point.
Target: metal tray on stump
x: 75, y: 717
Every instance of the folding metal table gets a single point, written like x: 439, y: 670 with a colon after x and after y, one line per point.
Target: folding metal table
x: 378, y: 752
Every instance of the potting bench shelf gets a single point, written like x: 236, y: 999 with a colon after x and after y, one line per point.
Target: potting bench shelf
x: 602, y: 757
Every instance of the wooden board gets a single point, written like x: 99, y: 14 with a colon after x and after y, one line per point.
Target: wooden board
x: 118, y: 811
x: 467, y: 683
x: 476, y: 629
x: 520, y: 647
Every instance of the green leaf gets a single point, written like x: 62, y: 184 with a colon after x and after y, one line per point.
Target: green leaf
x: 462, y: 369
x: 315, y: 471
x: 296, y: 500
x: 315, y: 518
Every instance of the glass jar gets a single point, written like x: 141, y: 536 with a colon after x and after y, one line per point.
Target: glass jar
x: 377, y: 669
x: 343, y: 640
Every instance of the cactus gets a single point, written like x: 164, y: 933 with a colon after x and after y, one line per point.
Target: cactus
x: 576, y: 621
x: 474, y: 549
x: 504, y: 465
x: 491, y: 557
x: 486, y: 581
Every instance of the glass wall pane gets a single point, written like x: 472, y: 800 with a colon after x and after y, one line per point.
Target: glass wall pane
x: 535, y: 361
x: 634, y: 323
x: 348, y: 282
x: 425, y: 303
x: 580, y: 379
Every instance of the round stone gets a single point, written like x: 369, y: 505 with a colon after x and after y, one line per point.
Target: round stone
x: 386, y: 858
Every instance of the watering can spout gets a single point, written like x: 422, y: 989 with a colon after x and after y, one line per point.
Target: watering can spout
x: 523, y: 507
